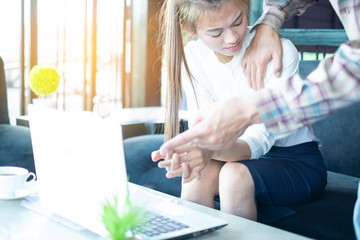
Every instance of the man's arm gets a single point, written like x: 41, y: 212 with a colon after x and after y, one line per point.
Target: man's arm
x: 217, y: 129
x: 333, y: 85
x: 277, y: 11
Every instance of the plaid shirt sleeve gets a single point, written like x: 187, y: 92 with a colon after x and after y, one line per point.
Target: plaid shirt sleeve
x: 333, y: 85
x: 277, y: 11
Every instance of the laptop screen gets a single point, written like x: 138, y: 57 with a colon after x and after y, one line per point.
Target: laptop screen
x: 79, y: 160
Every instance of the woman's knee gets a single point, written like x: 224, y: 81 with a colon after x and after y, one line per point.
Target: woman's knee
x: 237, y: 191
x: 234, y: 176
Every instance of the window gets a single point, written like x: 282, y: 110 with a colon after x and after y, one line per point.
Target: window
x: 83, y: 39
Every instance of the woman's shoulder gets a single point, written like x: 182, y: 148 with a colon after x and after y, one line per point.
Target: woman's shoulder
x: 290, y: 55
x: 288, y: 46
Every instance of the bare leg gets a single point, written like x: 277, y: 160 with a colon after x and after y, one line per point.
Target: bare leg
x: 236, y: 188
x: 203, y: 191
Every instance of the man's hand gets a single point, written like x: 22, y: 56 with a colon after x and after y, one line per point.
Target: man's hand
x: 265, y: 45
x: 217, y: 129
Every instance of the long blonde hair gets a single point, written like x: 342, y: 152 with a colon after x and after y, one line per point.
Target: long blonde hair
x: 174, y: 14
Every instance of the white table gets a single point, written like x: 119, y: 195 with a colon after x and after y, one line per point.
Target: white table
x: 18, y: 222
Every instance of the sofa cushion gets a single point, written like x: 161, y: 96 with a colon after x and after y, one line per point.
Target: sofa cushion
x: 328, y: 217
x: 4, y: 114
x: 15, y: 147
x: 339, y: 135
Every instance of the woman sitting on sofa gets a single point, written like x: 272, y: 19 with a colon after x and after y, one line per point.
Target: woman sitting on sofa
x: 257, y: 176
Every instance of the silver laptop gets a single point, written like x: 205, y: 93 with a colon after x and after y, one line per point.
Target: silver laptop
x: 80, y: 163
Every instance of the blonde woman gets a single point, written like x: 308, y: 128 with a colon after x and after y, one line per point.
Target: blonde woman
x: 258, y: 176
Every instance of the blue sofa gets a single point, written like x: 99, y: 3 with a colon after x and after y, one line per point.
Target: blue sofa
x: 329, y: 217
x: 15, y: 141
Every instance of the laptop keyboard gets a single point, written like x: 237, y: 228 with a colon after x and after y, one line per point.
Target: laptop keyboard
x: 156, y: 224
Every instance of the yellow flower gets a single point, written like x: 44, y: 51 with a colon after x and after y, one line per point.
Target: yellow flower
x: 44, y: 80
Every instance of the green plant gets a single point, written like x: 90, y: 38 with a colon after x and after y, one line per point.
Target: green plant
x: 121, y: 223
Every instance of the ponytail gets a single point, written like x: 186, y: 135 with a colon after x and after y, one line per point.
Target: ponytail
x: 173, y: 53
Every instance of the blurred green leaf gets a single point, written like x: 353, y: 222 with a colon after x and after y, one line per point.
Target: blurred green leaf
x: 120, y: 226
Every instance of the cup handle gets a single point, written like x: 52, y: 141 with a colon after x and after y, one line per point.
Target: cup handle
x: 31, y: 174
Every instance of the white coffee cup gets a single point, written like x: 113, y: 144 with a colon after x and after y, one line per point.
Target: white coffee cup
x: 13, y: 179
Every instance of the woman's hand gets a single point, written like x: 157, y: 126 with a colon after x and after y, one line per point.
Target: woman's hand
x: 265, y: 45
x: 188, y: 164
x: 156, y: 156
x: 192, y: 163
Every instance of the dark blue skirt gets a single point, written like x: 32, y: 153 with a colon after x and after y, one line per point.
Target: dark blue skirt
x: 286, y: 176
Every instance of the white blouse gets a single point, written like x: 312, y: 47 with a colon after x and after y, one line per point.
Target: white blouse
x: 215, y: 81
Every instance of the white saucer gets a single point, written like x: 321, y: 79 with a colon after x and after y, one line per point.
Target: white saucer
x: 28, y: 189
